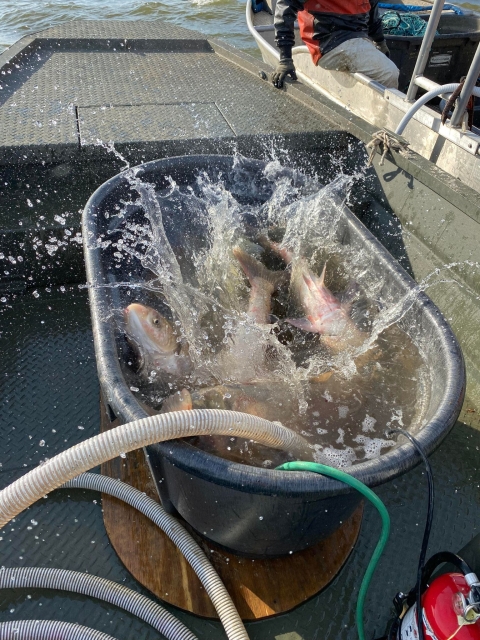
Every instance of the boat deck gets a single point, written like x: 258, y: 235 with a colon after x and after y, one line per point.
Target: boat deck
x: 153, y: 89
x: 157, y: 90
x: 50, y: 398
x: 77, y: 85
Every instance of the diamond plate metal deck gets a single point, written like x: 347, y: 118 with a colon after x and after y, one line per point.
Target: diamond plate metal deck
x: 63, y: 71
x: 147, y: 123
x: 151, y: 88
x: 118, y: 29
x: 48, y: 388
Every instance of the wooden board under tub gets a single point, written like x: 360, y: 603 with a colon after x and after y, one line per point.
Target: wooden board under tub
x: 259, y: 588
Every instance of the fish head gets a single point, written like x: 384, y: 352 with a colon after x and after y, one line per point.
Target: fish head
x: 151, y: 332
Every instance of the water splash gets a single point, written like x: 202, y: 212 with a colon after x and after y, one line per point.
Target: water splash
x: 197, y: 283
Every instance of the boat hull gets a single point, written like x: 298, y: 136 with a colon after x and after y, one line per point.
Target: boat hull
x: 453, y: 150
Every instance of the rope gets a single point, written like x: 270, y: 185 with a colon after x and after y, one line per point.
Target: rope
x: 407, y: 24
x: 382, y: 142
x: 451, y: 101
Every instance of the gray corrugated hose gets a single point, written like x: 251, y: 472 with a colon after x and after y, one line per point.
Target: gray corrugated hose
x: 140, y: 433
x: 445, y: 88
x: 194, y: 555
x: 134, y: 435
x: 101, y: 588
x: 48, y: 629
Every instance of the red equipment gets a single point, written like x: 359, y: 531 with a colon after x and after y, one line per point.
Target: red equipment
x: 450, y: 610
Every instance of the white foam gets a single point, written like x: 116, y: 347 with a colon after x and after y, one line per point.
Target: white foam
x: 342, y: 411
x: 373, y: 446
x: 397, y: 416
x: 341, y: 436
x: 368, y: 424
x: 339, y: 458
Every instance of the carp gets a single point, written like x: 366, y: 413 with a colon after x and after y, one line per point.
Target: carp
x: 263, y: 284
x: 325, y: 314
x: 155, y: 342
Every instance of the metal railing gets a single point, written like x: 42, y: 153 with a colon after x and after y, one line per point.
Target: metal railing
x: 419, y: 80
x: 424, y: 52
x: 470, y: 82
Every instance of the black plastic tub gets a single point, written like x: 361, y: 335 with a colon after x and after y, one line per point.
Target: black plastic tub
x: 255, y: 511
x: 451, y: 55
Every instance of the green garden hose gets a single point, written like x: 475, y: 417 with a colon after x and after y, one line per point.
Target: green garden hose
x: 331, y: 472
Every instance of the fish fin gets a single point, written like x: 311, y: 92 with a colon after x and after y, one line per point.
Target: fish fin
x: 302, y: 323
x: 183, y: 348
x: 179, y: 401
x: 264, y: 241
x: 140, y: 361
x: 255, y: 270
x: 310, y: 282
x: 321, y: 279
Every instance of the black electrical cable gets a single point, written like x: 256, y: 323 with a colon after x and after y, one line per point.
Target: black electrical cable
x: 441, y: 558
x: 426, y: 533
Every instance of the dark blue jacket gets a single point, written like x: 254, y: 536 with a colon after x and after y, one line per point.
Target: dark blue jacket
x: 325, y: 24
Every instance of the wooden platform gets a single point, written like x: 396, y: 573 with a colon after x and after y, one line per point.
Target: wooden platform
x: 259, y: 588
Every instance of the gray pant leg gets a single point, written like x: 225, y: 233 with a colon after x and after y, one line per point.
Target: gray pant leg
x: 359, y: 55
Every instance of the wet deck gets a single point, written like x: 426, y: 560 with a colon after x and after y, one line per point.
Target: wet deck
x: 152, y: 89
x: 156, y: 91
x: 49, y: 390
x: 78, y: 84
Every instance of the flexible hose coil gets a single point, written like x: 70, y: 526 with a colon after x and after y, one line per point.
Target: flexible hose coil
x: 47, y: 630
x: 221, y: 600
x: 134, y: 435
x: 101, y: 588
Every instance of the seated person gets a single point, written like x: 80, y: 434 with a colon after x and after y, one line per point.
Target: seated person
x: 341, y: 35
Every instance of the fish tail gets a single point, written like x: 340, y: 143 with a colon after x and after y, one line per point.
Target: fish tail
x: 255, y: 270
x: 315, y: 282
x: 308, y: 280
x: 283, y: 252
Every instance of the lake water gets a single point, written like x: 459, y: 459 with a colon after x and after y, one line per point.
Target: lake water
x: 216, y: 18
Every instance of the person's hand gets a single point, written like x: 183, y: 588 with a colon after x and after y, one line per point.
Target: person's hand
x: 283, y: 69
x: 382, y: 46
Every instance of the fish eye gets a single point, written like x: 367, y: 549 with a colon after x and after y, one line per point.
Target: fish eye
x: 155, y: 321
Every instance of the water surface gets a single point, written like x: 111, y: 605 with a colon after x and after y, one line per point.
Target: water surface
x: 216, y: 18
x: 339, y: 390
